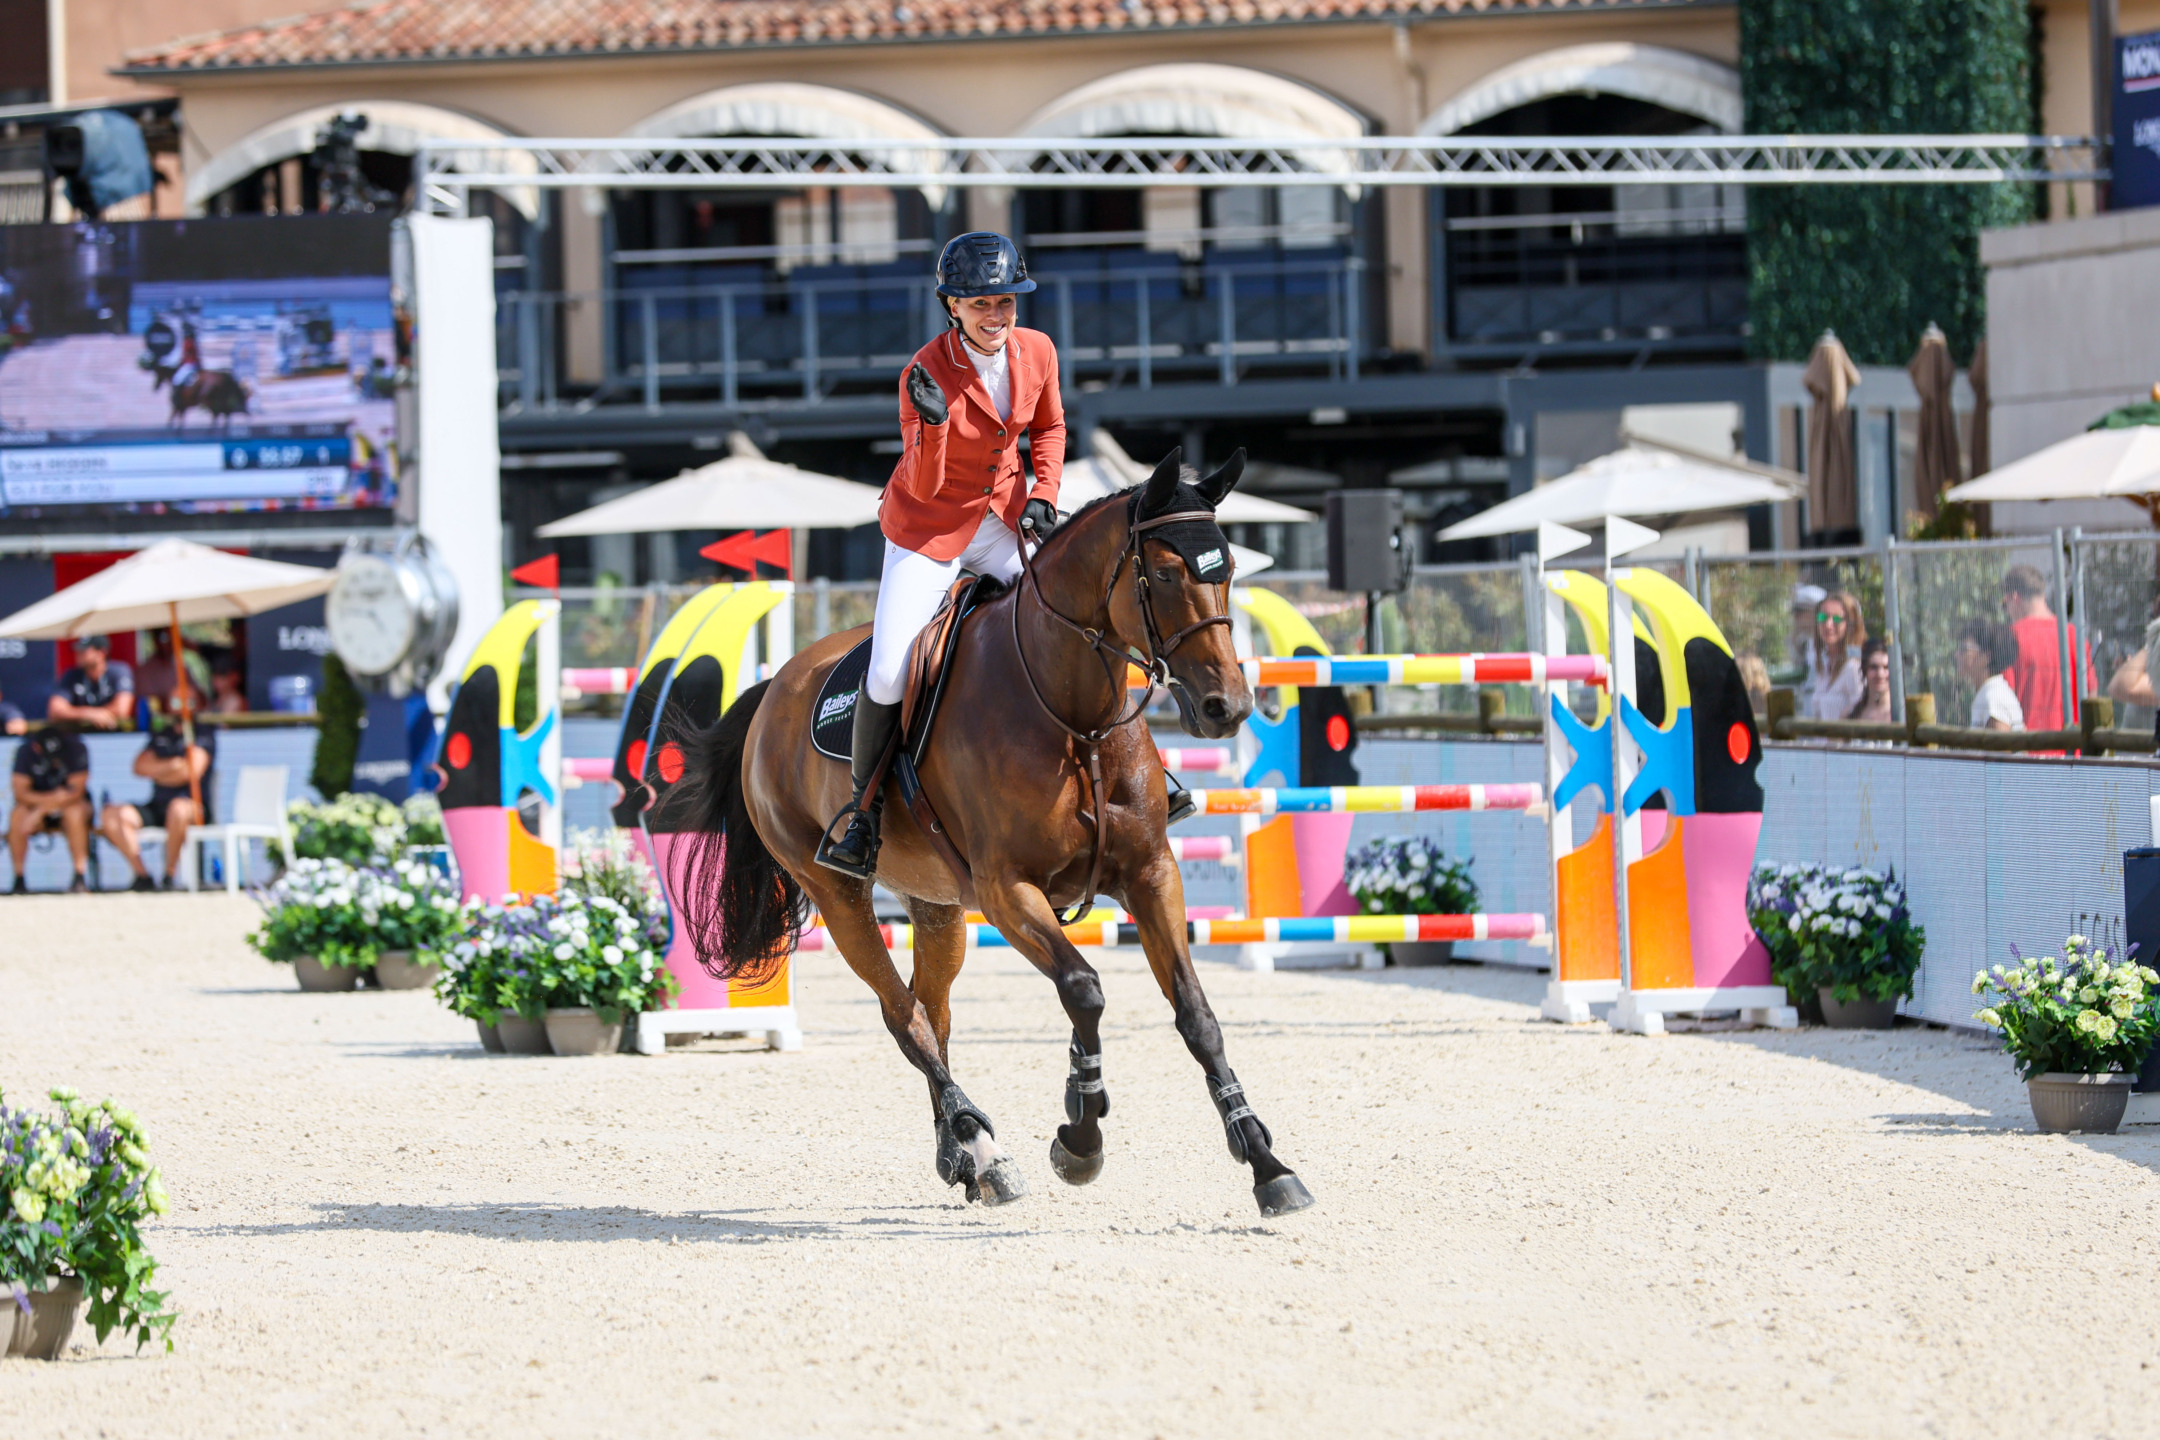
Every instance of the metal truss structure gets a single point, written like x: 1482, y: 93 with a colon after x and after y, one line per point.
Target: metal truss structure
x: 450, y: 169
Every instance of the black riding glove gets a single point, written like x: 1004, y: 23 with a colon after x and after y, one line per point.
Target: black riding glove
x: 923, y: 393
x: 1041, y: 517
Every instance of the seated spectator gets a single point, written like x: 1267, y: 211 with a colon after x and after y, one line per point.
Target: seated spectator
x: 52, y: 792
x: 1833, y: 684
x: 97, y: 691
x: 168, y: 763
x: 2132, y: 683
x: 1985, y: 651
x: 12, y: 720
x: 1874, y: 702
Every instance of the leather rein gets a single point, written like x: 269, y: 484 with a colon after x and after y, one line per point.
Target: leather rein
x: 1114, y: 660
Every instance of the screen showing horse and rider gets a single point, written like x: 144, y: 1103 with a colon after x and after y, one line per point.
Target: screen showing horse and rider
x: 197, y: 365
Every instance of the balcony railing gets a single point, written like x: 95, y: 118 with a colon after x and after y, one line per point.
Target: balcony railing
x: 1658, y: 278
x: 800, y: 339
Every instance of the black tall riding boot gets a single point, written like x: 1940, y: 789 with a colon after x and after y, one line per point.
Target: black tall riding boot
x: 855, y: 852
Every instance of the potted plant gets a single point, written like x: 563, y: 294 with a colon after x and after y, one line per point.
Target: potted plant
x: 333, y: 921
x: 1410, y: 875
x: 357, y: 827
x: 1843, y: 938
x: 2077, y: 1029
x: 417, y: 919
x: 75, y: 1186
x: 488, y: 980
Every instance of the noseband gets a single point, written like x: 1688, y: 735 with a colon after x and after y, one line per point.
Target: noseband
x: 1114, y: 658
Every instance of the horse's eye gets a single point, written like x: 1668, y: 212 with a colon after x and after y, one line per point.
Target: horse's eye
x: 1165, y: 574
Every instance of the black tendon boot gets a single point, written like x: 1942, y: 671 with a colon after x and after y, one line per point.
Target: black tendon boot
x: 855, y: 852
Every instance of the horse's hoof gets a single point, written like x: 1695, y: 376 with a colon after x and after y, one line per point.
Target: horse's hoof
x: 1284, y: 1195
x: 1002, y: 1184
x: 1074, y: 1169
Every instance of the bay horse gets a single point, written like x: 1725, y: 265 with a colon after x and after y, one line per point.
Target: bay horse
x: 1035, y: 742
x: 219, y: 393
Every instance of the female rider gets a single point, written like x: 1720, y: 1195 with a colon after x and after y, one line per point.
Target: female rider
x: 959, y: 496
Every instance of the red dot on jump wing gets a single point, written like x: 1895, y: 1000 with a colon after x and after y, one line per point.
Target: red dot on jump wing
x: 634, y: 758
x: 1338, y: 732
x: 1738, y: 743
x: 671, y: 763
x: 459, y: 751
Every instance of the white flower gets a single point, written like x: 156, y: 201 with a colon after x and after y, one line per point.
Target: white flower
x: 610, y: 954
x: 563, y: 952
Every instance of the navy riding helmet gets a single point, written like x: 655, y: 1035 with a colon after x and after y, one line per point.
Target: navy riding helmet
x: 981, y: 262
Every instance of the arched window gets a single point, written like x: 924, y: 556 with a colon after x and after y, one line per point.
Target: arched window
x: 1618, y: 267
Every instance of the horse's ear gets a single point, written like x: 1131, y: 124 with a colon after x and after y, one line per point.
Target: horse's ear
x: 1217, y: 487
x: 1162, y: 484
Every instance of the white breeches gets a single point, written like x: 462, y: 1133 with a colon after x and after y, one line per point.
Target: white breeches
x: 909, y: 592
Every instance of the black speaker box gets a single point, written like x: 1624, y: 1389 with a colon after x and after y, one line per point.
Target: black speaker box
x: 1364, y: 541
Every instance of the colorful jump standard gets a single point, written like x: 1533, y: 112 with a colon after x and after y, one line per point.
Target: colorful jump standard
x: 1367, y: 799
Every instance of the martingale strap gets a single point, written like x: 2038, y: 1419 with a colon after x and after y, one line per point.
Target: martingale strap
x: 1114, y: 659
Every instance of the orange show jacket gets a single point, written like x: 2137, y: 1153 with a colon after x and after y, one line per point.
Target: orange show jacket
x: 949, y: 474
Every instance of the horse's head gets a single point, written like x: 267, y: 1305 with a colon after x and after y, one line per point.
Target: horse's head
x: 1177, y: 607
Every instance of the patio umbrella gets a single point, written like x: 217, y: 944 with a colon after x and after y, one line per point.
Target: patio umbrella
x: 1833, y: 476
x: 1638, y: 480
x: 173, y: 583
x: 1110, y: 469
x: 742, y: 492
x: 1976, y: 375
x: 2119, y: 458
x: 1935, y: 466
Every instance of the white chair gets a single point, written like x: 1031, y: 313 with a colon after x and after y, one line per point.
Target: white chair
x: 258, y: 813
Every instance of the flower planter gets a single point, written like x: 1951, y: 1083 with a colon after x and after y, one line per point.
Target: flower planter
x: 523, y: 1037
x: 2094, y: 1104
x: 490, y: 1038
x: 43, y: 1333
x: 1421, y: 952
x: 1862, y: 1014
x: 576, y: 1030
x: 395, y: 970
x: 314, y: 975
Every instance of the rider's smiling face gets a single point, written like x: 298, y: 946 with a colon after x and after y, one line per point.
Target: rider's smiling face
x: 987, y: 320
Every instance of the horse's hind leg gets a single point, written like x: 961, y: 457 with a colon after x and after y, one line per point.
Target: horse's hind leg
x: 1028, y: 920
x: 975, y: 1159
x: 1157, y: 903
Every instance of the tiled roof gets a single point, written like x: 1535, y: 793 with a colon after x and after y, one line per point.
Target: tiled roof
x: 421, y: 31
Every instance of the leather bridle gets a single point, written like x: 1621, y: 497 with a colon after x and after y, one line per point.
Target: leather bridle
x: 1114, y: 659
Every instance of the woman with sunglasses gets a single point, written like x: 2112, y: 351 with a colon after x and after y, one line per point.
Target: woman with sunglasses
x: 1833, y: 686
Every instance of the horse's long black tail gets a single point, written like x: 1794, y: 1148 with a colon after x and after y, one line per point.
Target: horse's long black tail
x: 739, y: 906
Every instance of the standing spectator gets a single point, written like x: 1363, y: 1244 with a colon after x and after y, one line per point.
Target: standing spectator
x: 2132, y: 683
x: 52, y: 792
x: 2036, y: 673
x: 169, y: 763
x: 1984, y: 652
x: 1800, y: 640
x: 96, y: 691
x: 1833, y: 686
x: 1874, y: 702
x: 12, y: 720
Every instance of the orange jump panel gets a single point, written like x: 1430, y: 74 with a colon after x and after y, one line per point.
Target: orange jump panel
x: 1660, y: 944
x: 1272, y: 886
x: 1586, y: 948
x: 532, y: 864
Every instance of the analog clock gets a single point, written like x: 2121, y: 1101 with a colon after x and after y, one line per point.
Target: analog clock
x: 391, y: 614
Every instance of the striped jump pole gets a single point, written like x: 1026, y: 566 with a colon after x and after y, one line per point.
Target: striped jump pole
x: 1206, y: 760
x: 1368, y: 799
x: 1223, y: 848
x: 1472, y: 669
x: 1339, y: 930
x: 604, y: 680
x: 585, y: 770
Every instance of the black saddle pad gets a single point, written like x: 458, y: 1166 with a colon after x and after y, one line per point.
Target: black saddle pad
x: 833, y: 731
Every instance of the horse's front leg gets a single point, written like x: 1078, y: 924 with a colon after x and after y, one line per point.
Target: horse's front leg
x: 1157, y: 903
x: 968, y: 1154
x: 1027, y: 919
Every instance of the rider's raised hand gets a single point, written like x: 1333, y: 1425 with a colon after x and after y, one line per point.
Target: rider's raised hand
x: 923, y: 393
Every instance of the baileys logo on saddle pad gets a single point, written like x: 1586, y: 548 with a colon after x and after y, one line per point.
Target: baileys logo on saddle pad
x: 833, y: 731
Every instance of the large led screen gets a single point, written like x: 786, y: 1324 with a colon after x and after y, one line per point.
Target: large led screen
x: 196, y: 365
